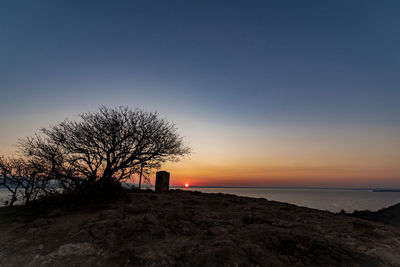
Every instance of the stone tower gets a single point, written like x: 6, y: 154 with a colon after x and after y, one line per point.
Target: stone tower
x: 162, y: 181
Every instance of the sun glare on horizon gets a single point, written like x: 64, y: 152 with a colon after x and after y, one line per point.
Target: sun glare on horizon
x: 187, y: 185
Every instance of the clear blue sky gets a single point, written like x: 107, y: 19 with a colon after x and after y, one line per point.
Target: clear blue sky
x: 256, y: 65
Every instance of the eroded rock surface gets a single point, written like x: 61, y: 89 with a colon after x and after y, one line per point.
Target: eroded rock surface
x: 195, y: 229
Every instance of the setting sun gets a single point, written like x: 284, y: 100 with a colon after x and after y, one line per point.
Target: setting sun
x: 186, y: 185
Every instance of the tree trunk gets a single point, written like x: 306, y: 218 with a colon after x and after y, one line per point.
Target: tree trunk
x: 141, y: 173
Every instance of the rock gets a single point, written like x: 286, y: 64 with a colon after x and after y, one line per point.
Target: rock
x: 78, y: 249
x: 150, y: 219
x: 40, y: 222
x: 218, y: 230
x: 183, y: 228
x: 56, y: 213
x: 136, y: 209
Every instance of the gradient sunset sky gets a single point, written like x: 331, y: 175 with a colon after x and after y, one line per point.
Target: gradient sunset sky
x: 267, y: 93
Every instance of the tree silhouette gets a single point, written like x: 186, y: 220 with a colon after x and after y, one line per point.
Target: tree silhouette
x: 112, y: 144
x: 23, y: 180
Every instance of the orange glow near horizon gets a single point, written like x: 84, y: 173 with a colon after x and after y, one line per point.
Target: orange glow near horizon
x: 279, y: 155
x: 259, y: 175
x: 186, y: 185
x: 290, y: 156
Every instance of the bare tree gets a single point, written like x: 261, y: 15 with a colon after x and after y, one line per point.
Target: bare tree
x: 108, y: 145
x: 23, y: 180
x: 9, y: 179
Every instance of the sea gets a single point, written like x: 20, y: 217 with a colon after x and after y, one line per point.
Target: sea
x: 329, y: 199
x: 333, y: 200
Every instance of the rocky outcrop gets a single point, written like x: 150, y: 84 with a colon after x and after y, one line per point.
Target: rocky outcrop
x: 390, y: 215
x: 181, y: 228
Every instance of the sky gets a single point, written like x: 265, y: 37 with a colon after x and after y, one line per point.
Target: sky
x: 267, y: 93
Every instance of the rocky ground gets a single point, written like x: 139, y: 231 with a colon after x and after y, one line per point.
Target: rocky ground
x: 195, y: 229
x: 390, y: 216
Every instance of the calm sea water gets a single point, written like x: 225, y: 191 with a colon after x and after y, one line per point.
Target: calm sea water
x: 325, y: 199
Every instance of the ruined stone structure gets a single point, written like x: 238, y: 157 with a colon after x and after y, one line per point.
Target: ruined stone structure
x: 162, y: 181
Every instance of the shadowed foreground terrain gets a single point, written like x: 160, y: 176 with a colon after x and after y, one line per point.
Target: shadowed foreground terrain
x: 389, y: 215
x: 194, y: 229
